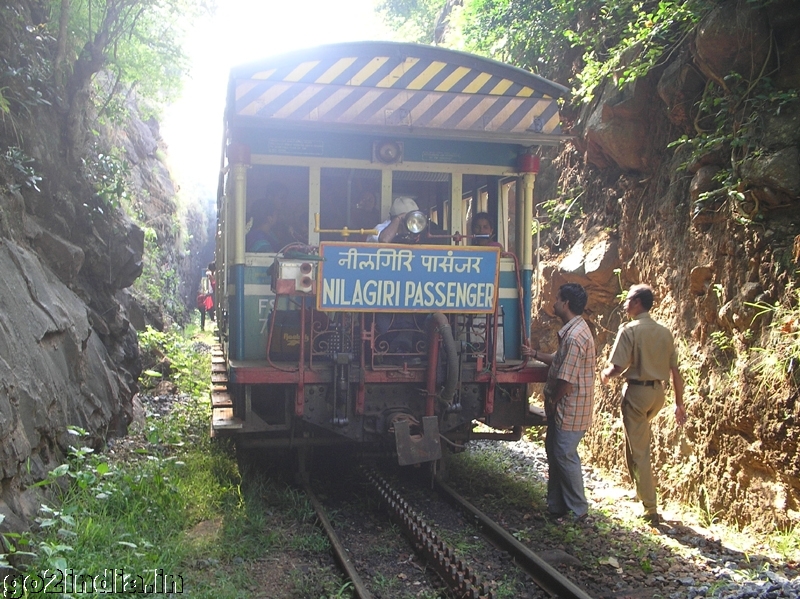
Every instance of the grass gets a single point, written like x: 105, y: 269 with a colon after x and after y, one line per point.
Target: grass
x: 382, y: 584
x: 171, y: 355
x: 487, y: 473
x: 462, y: 542
x: 169, y: 499
x: 485, y: 476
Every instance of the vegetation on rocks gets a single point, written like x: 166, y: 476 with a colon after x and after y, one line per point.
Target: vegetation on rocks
x: 172, y: 356
x: 168, y: 504
x: 684, y: 166
x: 93, y: 76
x: 85, y: 200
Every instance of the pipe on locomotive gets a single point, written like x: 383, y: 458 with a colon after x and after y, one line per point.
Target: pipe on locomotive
x: 239, y: 159
x: 438, y: 326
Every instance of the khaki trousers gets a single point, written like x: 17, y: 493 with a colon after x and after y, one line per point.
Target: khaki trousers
x: 640, y: 404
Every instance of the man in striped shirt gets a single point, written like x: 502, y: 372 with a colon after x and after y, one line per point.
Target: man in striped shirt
x: 569, y: 402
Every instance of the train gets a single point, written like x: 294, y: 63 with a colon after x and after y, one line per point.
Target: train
x: 330, y: 335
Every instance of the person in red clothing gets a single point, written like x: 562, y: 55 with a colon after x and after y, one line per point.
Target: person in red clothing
x: 205, y: 296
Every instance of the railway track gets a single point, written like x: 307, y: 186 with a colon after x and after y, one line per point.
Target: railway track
x: 464, y: 577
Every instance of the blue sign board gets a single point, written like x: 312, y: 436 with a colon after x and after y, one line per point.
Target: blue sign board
x: 371, y: 277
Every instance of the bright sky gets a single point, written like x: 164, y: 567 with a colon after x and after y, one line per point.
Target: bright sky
x: 243, y: 31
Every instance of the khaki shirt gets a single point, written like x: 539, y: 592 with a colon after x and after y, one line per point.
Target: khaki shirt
x: 644, y: 348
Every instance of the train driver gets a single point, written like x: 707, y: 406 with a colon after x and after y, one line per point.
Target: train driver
x: 394, y: 229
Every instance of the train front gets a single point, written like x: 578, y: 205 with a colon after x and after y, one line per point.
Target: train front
x: 331, y: 335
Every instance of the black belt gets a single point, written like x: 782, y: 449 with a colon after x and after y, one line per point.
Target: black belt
x: 645, y: 383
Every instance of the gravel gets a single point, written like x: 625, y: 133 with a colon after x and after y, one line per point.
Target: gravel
x: 623, y: 557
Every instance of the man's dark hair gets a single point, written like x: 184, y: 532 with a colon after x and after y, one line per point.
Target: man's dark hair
x: 644, y: 293
x: 575, y: 296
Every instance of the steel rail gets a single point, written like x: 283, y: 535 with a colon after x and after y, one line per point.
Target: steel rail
x: 339, y: 551
x: 547, y: 577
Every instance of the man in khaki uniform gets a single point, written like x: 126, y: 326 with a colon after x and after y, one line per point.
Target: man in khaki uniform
x: 644, y: 352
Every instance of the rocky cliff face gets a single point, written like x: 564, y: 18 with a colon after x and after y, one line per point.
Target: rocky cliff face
x: 718, y: 250
x: 68, y: 352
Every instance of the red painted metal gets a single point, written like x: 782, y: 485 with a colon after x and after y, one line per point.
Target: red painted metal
x: 239, y: 153
x: 531, y: 374
x: 255, y: 373
x: 284, y: 286
x: 528, y: 163
x: 488, y: 405
x: 259, y: 373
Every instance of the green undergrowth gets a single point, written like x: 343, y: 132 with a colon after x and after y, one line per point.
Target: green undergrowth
x: 486, y: 473
x: 170, y: 505
x: 173, y: 356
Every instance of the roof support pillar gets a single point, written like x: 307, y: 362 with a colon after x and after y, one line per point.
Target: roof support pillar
x: 239, y: 159
x: 527, y: 251
x: 456, y: 203
x: 314, y: 191
x: 386, y: 192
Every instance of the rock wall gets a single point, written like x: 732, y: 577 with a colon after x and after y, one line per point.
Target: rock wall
x: 68, y: 351
x: 709, y: 257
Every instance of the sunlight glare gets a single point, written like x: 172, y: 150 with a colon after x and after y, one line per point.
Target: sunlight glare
x: 243, y: 31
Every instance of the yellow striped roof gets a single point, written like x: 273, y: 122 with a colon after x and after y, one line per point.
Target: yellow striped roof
x: 393, y: 86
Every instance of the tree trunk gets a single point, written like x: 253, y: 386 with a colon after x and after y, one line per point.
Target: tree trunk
x: 61, y: 50
x: 79, y: 85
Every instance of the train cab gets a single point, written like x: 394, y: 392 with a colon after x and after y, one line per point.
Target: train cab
x: 333, y: 331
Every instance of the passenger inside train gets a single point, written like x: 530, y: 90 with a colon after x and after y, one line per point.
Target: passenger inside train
x: 483, y: 231
x: 365, y: 213
x: 262, y: 223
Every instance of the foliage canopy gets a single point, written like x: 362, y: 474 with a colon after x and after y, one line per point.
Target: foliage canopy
x: 414, y: 20
x: 138, y: 41
x: 581, y: 42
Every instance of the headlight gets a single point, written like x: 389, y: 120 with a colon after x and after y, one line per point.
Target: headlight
x: 416, y: 222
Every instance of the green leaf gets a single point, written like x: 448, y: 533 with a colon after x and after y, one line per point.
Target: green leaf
x: 59, y: 471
